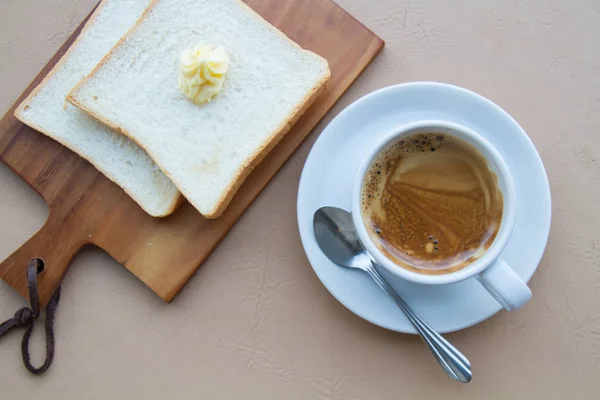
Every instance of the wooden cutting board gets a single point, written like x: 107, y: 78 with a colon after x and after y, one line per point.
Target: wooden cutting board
x: 86, y: 208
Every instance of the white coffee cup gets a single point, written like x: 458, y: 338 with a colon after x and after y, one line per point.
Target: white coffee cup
x: 496, y: 276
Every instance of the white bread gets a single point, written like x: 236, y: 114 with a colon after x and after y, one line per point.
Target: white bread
x: 207, y: 150
x: 117, y: 157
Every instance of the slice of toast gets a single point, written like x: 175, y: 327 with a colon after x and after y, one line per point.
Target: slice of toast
x: 117, y: 157
x: 209, y: 149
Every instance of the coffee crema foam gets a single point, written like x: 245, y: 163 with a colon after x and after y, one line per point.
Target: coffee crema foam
x: 431, y: 203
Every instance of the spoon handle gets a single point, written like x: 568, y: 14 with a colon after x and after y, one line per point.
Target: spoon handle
x: 452, y: 361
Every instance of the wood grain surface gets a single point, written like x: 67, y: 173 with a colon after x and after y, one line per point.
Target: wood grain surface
x: 85, y: 208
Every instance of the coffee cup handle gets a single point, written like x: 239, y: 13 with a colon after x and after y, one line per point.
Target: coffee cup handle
x: 505, y: 285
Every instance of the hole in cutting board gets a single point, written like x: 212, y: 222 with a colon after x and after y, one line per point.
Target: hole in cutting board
x: 22, y: 212
x: 40, y: 266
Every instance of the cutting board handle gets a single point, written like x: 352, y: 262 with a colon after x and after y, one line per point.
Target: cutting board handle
x: 54, y: 248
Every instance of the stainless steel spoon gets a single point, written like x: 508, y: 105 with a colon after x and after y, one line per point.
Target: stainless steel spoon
x: 337, y: 238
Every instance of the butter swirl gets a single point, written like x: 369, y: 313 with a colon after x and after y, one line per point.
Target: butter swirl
x: 202, y: 71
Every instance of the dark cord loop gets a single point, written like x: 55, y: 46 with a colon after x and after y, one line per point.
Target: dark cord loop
x: 26, y: 316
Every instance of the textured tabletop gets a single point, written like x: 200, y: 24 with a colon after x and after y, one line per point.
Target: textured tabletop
x: 255, y: 322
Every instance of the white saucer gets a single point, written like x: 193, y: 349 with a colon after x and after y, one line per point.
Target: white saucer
x: 328, y: 177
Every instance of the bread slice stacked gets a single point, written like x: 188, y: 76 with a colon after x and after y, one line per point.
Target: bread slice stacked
x: 208, y: 149
x: 117, y: 157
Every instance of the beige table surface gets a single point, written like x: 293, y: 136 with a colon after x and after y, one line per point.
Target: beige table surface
x: 255, y: 322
